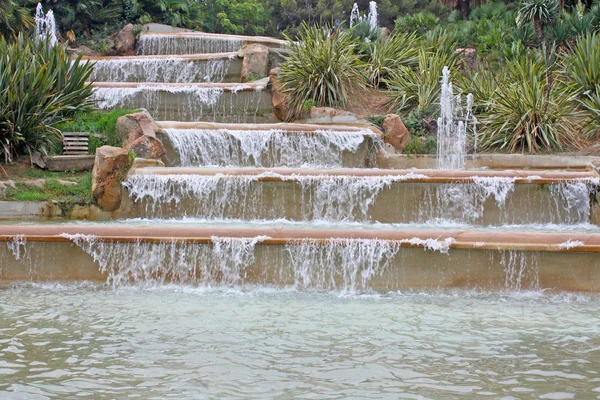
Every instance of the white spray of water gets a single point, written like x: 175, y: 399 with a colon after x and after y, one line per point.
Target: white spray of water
x: 45, y: 25
x: 521, y: 269
x: 175, y: 70
x: 263, y: 148
x: 452, y: 131
x: 372, y: 18
x: 149, y: 44
x: 570, y: 244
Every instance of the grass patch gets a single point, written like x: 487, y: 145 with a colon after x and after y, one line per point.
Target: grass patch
x: 102, y: 123
x: 55, y: 191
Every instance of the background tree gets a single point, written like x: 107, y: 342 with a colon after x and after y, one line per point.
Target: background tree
x: 540, y: 13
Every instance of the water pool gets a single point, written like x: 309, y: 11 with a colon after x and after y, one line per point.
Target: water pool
x: 87, y: 340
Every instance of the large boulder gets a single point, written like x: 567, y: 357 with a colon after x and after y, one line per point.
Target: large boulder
x: 328, y: 112
x: 255, y: 64
x: 132, y: 126
x: 281, y: 108
x: 125, y: 41
x: 147, y: 146
x: 110, y: 168
x: 396, y: 133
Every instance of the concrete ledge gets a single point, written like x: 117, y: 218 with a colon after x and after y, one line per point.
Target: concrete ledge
x: 408, y: 176
x: 36, y: 210
x: 458, y: 239
x: 69, y: 163
x: 491, y: 161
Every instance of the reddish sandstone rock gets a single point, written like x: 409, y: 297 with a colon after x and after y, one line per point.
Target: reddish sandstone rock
x: 110, y: 167
x: 396, y: 132
x: 281, y: 107
x: 147, y: 146
x: 132, y: 126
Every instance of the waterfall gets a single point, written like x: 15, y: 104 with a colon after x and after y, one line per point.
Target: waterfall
x: 175, y: 70
x: 263, y: 148
x: 45, y: 26
x: 353, y: 198
x: 184, y: 103
x: 372, y: 17
x: 149, y: 44
x: 331, y: 264
x: 224, y: 262
x: 451, y: 131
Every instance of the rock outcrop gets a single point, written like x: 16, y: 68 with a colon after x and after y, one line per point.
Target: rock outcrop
x: 138, y: 133
x: 281, y: 108
x: 125, y: 41
x: 110, y: 168
x: 255, y: 64
x: 396, y: 133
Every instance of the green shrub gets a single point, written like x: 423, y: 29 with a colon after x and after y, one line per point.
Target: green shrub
x: 530, y: 111
x: 419, y: 23
x: 388, y: 53
x: 419, y: 87
x: 321, y: 67
x: 40, y: 87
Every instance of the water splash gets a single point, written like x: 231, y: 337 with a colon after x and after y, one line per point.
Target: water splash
x: 263, y: 148
x: 452, y: 131
x: 174, y: 70
x: 45, y: 25
x: 119, y: 96
x: 149, y: 44
x: 570, y: 244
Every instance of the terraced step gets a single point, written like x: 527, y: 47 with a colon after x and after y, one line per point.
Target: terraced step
x: 387, y: 196
x: 216, y: 67
x: 224, y: 102
x: 351, y: 259
x: 269, y: 145
x: 198, y: 42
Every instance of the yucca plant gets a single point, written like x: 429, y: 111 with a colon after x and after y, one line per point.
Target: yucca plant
x: 583, y: 63
x: 529, y: 111
x: 418, y: 87
x: 40, y: 87
x: 321, y: 68
x: 540, y: 13
x: 386, y: 54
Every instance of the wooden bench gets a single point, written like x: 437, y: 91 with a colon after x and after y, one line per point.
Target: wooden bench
x: 75, y: 143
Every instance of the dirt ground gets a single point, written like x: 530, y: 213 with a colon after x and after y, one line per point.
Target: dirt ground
x: 369, y: 103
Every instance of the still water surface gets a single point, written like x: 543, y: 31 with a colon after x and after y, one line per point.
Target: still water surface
x: 59, y: 341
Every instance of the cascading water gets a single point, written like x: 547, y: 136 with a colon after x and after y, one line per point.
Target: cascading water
x: 451, y: 131
x: 45, y: 25
x: 263, y: 148
x: 149, y: 44
x: 355, y: 198
x: 176, y: 70
x: 355, y: 15
x: 184, y: 103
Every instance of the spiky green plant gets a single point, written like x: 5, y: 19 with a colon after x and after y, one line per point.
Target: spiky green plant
x: 529, y: 111
x: 583, y: 63
x: 40, y: 86
x: 321, y: 68
x: 386, y: 54
x: 13, y: 19
x: 419, y: 87
x: 591, y: 105
x: 540, y: 13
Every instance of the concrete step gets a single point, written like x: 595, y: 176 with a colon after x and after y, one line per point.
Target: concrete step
x: 349, y: 259
x: 365, y: 195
